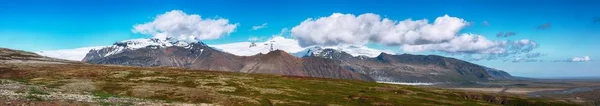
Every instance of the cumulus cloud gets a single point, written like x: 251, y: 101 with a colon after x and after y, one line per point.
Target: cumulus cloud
x: 504, y: 35
x: 177, y: 25
x: 350, y: 29
x: 411, y: 35
x: 264, y: 25
x: 468, y: 44
x: 544, y: 26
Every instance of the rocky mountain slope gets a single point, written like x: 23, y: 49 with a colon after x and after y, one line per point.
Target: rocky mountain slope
x: 498, y: 74
x: 154, y: 52
x: 411, y: 68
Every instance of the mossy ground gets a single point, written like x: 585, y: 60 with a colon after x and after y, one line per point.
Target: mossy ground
x: 227, y: 88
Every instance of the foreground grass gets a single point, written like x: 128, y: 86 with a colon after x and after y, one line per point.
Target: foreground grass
x: 224, y: 88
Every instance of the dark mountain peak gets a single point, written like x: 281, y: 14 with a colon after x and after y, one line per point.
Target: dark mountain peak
x: 385, y: 57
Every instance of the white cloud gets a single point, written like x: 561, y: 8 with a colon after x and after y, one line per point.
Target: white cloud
x: 264, y: 25
x: 466, y: 43
x: 442, y: 35
x: 581, y: 59
x: 185, y: 27
x: 350, y: 29
x: 76, y: 54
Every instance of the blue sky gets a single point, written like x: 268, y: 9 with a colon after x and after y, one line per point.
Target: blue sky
x: 63, y: 24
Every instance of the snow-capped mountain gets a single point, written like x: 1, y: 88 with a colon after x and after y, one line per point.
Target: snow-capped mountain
x: 134, y: 44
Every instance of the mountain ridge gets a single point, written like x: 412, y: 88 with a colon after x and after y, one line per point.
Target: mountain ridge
x: 316, y: 62
x: 413, y: 68
x: 203, y: 57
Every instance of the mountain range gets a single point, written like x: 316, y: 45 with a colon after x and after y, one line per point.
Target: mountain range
x: 316, y: 62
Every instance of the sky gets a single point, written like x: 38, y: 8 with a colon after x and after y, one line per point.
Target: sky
x: 531, y: 38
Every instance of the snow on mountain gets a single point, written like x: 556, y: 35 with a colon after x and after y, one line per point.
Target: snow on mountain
x: 68, y: 54
x: 139, y: 43
x: 142, y: 43
x: 78, y: 54
x: 238, y: 48
x: 245, y: 48
x: 292, y: 46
